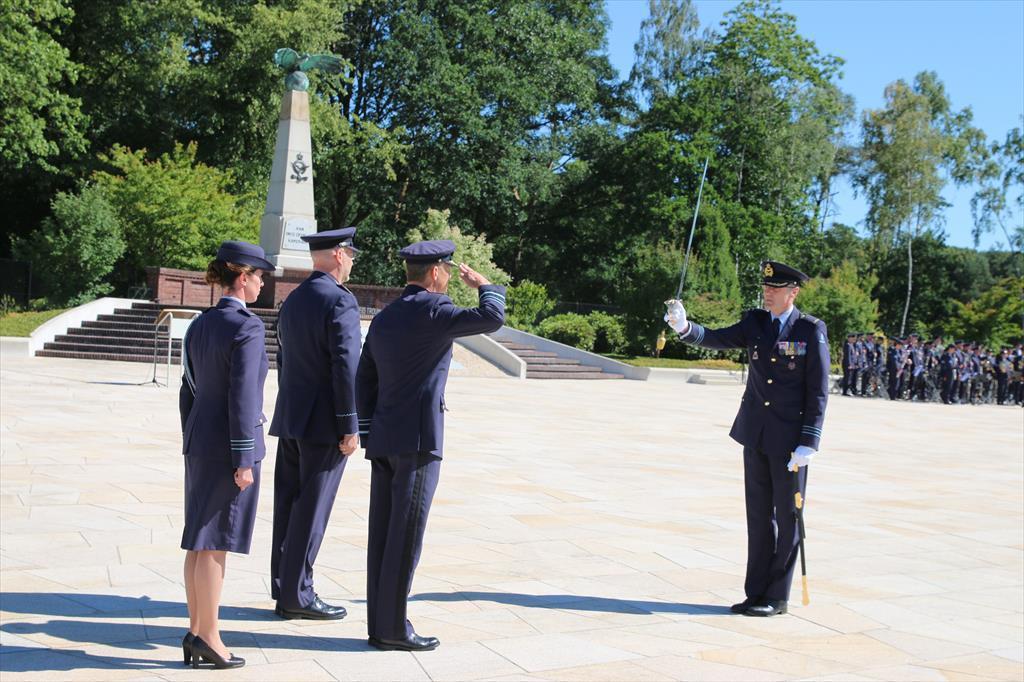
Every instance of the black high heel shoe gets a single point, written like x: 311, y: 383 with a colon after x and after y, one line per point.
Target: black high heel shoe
x: 201, y: 649
x: 186, y: 647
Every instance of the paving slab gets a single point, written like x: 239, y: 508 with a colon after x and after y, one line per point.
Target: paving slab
x: 581, y: 531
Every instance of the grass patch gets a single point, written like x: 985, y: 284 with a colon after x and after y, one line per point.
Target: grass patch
x: 676, y: 363
x: 23, y: 324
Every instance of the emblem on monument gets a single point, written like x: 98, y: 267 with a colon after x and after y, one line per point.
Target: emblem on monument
x: 299, y: 168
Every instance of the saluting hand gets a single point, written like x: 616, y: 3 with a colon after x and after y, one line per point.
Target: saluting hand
x: 347, y: 444
x: 471, y: 277
x: 243, y: 477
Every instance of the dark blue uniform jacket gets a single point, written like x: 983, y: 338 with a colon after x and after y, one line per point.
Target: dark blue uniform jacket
x: 221, y: 397
x: 318, y: 327
x: 404, y: 368
x: 787, y: 389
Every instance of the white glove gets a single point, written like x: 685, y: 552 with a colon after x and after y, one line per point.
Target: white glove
x: 801, y: 457
x: 676, y: 316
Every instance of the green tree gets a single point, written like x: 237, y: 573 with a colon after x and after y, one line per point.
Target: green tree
x: 42, y: 122
x: 641, y: 289
x: 714, y: 271
x: 993, y: 205
x: 175, y: 210
x: 75, y: 250
x: 942, y: 275
x: 763, y: 104
x: 833, y: 246
x: 993, y: 318
x: 668, y: 48
x: 469, y: 249
x: 164, y: 72
x: 842, y: 301
x: 906, y: 146
x: 482, y: 99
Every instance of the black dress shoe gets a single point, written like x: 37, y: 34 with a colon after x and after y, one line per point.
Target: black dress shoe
x: 201, y: 649
x: 411, y: 643
x: 745, y: 604
x: 770, y: 607
x: 318, y: 610
x: 186, y: 647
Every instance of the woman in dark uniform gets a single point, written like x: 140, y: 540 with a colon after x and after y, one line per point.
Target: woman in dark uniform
x: 221, y: 404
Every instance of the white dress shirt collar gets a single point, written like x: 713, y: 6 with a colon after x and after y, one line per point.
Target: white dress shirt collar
x: 783, y: 317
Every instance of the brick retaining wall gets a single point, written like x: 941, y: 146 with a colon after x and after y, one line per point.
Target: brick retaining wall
x: 188, y: 288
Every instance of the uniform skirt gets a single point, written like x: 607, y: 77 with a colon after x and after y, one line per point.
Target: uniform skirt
x: 218, y: 515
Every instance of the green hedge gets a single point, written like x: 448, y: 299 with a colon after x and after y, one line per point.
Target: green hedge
x: 598, y: 332
x: 571, y: 329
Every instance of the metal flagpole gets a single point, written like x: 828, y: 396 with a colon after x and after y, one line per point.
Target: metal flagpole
x: 689, y: 242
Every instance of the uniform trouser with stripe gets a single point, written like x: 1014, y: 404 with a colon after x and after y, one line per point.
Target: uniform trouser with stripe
x: 772, y: 532
x: 401, y: 490
x: 306, y: 479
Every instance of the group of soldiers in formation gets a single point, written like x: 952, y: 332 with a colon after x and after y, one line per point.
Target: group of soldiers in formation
x: 959, y: 372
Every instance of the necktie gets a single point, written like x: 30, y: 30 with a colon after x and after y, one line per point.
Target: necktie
x: 776, y: 328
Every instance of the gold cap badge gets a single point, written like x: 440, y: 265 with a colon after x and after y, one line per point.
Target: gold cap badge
x: 768, y: 270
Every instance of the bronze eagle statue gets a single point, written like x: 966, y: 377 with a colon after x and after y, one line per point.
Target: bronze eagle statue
x: 296, y: 64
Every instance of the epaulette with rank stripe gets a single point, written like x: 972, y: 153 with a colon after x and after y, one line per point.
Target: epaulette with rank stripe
x: 810, y: 318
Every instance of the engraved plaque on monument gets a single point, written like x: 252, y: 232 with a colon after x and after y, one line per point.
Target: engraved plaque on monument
x: 294, y: 229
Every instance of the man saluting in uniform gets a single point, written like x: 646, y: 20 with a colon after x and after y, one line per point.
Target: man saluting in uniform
x: 315, y: 419
x: 779, y: 424
x: 400, y: 396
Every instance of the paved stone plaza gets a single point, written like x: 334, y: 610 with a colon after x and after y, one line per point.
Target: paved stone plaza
x: 581, y: 530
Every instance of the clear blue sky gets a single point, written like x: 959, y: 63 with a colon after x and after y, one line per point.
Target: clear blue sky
x: 975, y: 46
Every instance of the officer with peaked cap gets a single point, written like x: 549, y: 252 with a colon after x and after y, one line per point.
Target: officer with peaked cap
x: 779, y: 424
x: 315, y: 419
x: 400, y: 394
x: 221, y: 405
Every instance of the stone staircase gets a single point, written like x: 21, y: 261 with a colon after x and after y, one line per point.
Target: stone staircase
x: 549, y: 365
x: 128, y: 335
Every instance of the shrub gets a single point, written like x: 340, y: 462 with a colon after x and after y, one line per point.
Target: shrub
x: 75, y: 249
x: 610, y: 332
x: 527, y: 302
x: 570, y: 329
x: 175, y: 210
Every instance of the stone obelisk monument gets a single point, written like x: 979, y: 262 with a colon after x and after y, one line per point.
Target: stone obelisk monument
x: 289, y: 211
